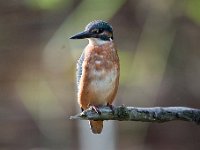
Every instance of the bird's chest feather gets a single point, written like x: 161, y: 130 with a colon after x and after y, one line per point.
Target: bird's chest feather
x: 102, y: 73
x: 102, y: 83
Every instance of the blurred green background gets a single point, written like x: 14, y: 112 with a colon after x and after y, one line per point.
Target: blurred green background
x: 159, y: 50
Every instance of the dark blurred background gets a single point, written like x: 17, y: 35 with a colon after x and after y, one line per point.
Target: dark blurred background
x: 159, y: 50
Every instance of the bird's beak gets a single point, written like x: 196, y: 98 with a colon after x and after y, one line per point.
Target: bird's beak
x: 82, y: 35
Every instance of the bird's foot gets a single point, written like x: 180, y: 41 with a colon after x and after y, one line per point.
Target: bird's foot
x: 96, y: 109
x: 111, y: 107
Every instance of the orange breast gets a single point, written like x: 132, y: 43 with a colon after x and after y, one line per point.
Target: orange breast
x: 100, y: 76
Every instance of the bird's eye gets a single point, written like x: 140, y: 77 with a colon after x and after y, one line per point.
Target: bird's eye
x: 100, y: 30
x: 95, y: 31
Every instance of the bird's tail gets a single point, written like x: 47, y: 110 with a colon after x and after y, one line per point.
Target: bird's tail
x: 96, y: 126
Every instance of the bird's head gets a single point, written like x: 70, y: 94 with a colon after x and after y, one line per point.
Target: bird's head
x: 98, y: 31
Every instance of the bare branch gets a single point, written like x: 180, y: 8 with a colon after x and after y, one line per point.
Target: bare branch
x: 153, y: 114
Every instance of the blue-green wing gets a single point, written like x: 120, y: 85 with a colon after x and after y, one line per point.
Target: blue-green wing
x: 79, y: 68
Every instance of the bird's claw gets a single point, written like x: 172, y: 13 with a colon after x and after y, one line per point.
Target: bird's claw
x: 96, y: 109
x: 111, y: 107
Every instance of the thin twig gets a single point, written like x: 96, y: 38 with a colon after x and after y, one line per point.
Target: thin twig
x: 151, y: 114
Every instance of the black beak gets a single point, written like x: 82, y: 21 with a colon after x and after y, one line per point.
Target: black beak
x: 82, y: 35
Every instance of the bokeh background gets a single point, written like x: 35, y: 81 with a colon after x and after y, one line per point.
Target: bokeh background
x: 159, y: 50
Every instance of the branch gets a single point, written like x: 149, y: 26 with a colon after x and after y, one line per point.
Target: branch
x: 153, y: 114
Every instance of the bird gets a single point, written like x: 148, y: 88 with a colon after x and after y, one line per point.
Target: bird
x: 98, y: 70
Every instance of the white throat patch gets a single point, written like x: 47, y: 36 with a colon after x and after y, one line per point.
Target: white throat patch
x: 97, y: 41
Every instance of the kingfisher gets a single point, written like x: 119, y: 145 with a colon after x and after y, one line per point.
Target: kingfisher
x: 98, y: 70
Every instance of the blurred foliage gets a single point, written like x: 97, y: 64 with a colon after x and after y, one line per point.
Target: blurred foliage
x: 192, y: 10
x: 125, y: 61
x: 47, y: 4
x: 158, y: 45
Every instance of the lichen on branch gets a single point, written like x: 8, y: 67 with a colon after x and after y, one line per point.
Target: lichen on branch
x: 144, y: 114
